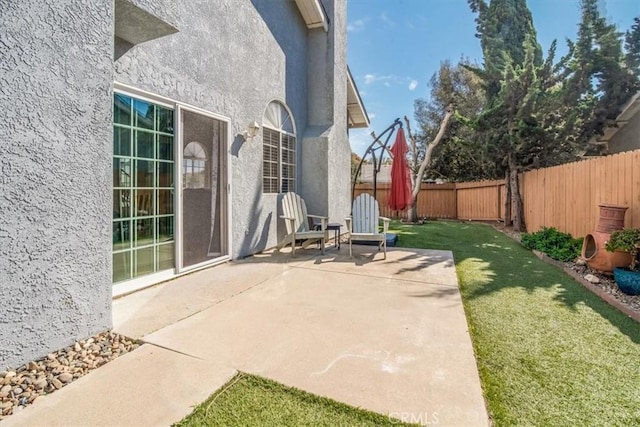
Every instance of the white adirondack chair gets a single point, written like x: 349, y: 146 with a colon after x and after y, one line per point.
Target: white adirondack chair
x: 363, y: 224
x: 297, y: 222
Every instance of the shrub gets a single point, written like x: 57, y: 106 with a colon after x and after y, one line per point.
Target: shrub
x: 627, y: 240
x: 558, y: 245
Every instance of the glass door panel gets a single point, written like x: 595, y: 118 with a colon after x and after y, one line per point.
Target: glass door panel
x: 203, y: 183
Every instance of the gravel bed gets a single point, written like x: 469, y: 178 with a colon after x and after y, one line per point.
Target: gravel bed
x: 607, y: 284
x: 22, y: 386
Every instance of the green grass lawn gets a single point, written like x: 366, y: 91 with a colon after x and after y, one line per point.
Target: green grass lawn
x: 549, y: 352
x: 248, y: 400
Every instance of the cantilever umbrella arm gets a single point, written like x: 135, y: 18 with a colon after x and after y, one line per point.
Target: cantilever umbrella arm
x: 376, y: 145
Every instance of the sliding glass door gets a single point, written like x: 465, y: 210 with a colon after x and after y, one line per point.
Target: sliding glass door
x: 203, y: 188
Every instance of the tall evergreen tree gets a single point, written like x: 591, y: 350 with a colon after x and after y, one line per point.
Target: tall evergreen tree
x: 632, y: 47
x: 512, y: 59
x: 460, y: 157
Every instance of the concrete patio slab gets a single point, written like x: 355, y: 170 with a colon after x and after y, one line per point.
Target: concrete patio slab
x: 150, y: 386
x: 396, y: 344
x: 153, y: 308
x: 389, y: 336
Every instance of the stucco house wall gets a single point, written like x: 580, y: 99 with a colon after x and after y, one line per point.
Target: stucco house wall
x: 55, y: 161
x: 60, y: 65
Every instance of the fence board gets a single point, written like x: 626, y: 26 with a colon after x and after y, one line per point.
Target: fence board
x: 565, y: 197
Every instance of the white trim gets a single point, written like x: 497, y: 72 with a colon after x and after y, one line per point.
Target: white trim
x: 286, y: 107
x: 205, y: 264
x: 226, y: 216
x: 312, y: 13
x: 123, y: 288
x: 163, y: 100
x: 130, y: 286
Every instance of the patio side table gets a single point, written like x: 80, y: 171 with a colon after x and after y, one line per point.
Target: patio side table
x: 332, y: 226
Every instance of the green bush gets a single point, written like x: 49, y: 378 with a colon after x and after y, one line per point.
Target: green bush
x: 558, y: 245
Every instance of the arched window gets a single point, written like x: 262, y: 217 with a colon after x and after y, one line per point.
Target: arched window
x: 194, y: 166
x: 279, y: 150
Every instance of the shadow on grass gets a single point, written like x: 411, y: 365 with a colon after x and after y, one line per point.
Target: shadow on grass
x: 489, y: 262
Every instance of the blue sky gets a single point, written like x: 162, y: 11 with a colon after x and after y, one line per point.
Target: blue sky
x: 395, y: 46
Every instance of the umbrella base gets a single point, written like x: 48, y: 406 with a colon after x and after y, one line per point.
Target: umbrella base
x: 392, y: 239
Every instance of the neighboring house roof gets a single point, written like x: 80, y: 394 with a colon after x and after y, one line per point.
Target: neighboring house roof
x: 366, y: 173
x: 629, y: 111
x: 357, y: 114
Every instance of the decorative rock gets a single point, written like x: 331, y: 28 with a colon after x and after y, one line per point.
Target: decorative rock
x: 581, y: 261
x: 65, y: 377
x: 591, y: 278
x: 25, y: 385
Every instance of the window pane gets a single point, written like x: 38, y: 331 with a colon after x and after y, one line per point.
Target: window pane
x: 165, y: 202
x: 144, y: 144
x: 144, y: 114
x: 121, y: 266
x: 144, y: 203
x: 144, y: 231
x: 121, y: 141
x: 165, y: 256
x: 165, y: 229
x: 122, y: 109
x: 165, y: 147
x: 144, y: 173
x: 121, y: 172
x: 165, y: 174
x: 137, y: 197
x: 121, y: 235
x: 144, y: 261
x: 121, y: 204
x: 165, y: 120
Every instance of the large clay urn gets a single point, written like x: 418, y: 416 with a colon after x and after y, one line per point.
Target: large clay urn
x: 593, y: 249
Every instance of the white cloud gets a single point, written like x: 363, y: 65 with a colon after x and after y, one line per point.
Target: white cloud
x: 413, y: 84
x: 372, y: 116
x: 386, y: 80
x: 385, y: 18
x: 357, y: 25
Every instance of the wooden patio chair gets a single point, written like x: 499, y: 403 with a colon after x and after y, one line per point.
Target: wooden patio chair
x: 363, y: 224
x: 297, y: 222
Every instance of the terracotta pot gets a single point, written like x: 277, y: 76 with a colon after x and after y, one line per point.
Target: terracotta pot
x: 611, y: 218
x: 598, y: 257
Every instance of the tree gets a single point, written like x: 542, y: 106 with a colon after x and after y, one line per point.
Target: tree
x: 512, y: 59
x: 420, y: 157
x: 460, y: 157
x: 543, y: 113
x: 632, y: 47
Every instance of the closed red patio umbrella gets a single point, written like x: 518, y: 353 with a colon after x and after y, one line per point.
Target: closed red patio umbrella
x: 400, y: 196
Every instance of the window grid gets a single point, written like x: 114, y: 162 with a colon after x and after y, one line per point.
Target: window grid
x: 143, y: 184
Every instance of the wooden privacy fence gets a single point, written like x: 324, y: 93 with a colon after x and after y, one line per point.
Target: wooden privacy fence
x: 469, y: 200
x: 565, y: 197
